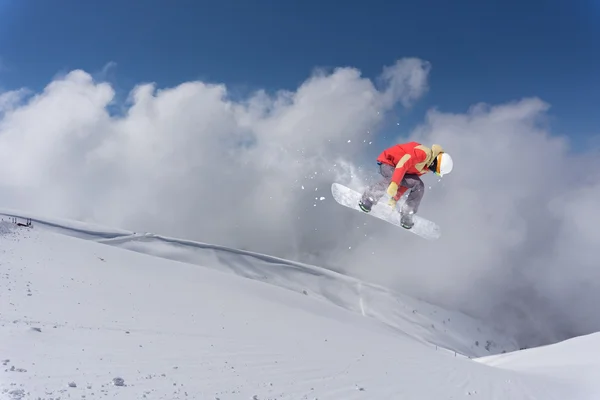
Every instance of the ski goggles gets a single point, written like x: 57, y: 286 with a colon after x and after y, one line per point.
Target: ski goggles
x: 435, y: 166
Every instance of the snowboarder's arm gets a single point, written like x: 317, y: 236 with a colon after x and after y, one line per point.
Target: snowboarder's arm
x: 401, y: 168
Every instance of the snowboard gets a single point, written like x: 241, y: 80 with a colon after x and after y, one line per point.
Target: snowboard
x: 349, y: 198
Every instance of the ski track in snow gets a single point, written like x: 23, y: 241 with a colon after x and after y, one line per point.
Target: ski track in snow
x: 92, y: 319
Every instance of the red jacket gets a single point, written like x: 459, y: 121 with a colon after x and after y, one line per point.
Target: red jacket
x: 409, y: 158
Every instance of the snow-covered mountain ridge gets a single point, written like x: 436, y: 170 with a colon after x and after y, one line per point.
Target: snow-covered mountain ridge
x: 428, y: 323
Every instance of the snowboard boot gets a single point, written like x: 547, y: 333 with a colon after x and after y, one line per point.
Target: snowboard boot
x: 406, y: 219
x: 366, y: 204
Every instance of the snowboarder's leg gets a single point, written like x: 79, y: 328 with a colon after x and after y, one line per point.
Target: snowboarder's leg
x: 411, y: 206
x: 417, y: 190
x: 374, y: 192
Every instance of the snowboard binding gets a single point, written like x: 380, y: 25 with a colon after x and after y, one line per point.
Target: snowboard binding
x: 366, y: 204
x: 406, y: 220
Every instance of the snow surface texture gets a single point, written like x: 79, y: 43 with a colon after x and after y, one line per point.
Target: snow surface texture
x: 93, y: 318
x: 420, y: 320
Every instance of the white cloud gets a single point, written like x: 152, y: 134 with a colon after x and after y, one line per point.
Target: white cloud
x: 519, y: 216
x: 406, y: 80
x: 188, y: 161
x: 11, y: 99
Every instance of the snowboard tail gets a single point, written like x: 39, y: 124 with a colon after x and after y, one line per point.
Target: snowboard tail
x: 350, y: 198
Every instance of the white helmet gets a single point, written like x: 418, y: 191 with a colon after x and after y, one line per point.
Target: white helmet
x: 444, y: 164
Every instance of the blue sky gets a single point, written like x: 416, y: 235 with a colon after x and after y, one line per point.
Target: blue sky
x: 480, y: 51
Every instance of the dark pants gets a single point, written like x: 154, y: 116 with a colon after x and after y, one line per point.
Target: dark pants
x: 410, y: 181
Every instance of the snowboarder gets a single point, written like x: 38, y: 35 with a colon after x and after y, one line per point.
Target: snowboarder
x: 401, y: 167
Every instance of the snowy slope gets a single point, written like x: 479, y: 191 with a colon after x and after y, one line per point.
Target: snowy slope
x: 574, y: 361
x: 425, y: 322
x: 77, y: 311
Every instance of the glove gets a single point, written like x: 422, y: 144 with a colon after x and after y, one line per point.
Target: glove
x: 392, y: 189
